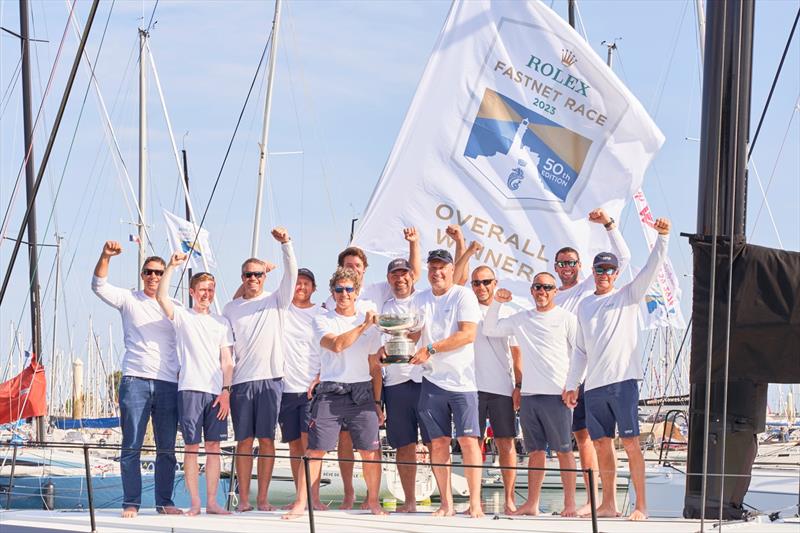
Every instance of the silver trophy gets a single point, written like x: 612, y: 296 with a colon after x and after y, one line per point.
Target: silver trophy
x: 399, y: 348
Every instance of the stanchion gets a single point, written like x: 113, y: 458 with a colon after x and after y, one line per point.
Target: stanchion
x: 307, y: 471
x: 11, y: 478
x: 592, y: 501
x: 89, y: 487
x: 232, y: 484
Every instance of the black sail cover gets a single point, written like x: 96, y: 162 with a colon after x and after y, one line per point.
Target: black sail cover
x: 765, y: 314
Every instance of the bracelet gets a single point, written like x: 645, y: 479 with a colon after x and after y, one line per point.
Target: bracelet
x: 377, y: 402
x: 610, y: 223
x: 518, y: 385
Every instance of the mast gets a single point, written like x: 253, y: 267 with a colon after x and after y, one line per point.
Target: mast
x: 571, y: 12
x: 262, y: 158
x: 30, y: 177
x: 188, y: 217
x: 142, y: 152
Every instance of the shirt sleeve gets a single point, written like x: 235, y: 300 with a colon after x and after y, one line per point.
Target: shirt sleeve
x: 636, y: 289
x: 113, y: 296
x: 577, y: 363
x: 320, y: 326
x: 468, y: 308
x: 493, y: 326
x: 227, y: 337
x: 620, y: 248
x: 285, y: 291
x: 178, y: 315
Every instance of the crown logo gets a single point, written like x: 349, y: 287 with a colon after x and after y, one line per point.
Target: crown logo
x: 568, y: 58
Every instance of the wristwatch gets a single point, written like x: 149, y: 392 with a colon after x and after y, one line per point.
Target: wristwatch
x: 430, y: 348
x: 518, y: 385
x: 610, y: 223
x: 227, y: 388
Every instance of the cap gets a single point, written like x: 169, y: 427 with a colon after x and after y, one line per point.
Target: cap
x: 398, y: 264
x: 307, y: 273
x: 606, y: 258
x: 440, y: 255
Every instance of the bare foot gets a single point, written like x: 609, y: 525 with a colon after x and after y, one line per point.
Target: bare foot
x: 527, y: 509
x: 130, y: 512
x: 296, y: 511
x: 266, y: 506
x: 171, y: 509
x: 568, y: 512
x: 244, y: 508
x: 444, y: 511
x: 319, y: 506
x: 376, y: 509
x: 407, y: 508
x: 347, y: 502
x: 193, y: 511
x: 584, y: 510
x: 214, y: 508
x: 607, y: 512
x: 638, y: 515
x: 510, y: 508
x: 475, y: 511
x: 364, y: 505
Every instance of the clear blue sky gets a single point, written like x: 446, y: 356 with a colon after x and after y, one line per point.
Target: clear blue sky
x: 346, y: 73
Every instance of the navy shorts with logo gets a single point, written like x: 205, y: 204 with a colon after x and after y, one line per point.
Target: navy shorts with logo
x: 403, y: 424
x: 330, y: 410
x: 610, y: 405
x: 254, y: 408
x: 545, y: 421
x: 294, y: 416
x: 579, y: 413
x: 442, y: 409
x: 198, y: 420
x: 499, y: 409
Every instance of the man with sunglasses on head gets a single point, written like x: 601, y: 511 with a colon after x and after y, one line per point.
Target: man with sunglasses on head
x: 449, y: 393
x: 257, y: 319
x: 204, y: 342
x: 546, y: 336
x: 149, y: 385
x: 346, y: 392
x: 605, y: 351
x: 497, y: 368
x: 569, y: 295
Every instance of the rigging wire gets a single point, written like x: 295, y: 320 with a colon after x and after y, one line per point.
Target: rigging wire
x: 774, y: 83
x: 6, y: 98
x: 152, y: 14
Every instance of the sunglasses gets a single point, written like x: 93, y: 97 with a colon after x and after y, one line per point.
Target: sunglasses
x: 253, y: 274
x: 607, y: 271
x: 484, y: 282
x: 543, y: 286
x: 562, y: 264
x: 340, y: 290
x: 151, y: 271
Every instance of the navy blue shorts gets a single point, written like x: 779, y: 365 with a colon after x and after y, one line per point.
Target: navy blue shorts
x: 579, y: 413
x: 499, y: 409
x: 330, y: 410
x: 545, y: 421
x: 198, y: 419
x: 403, y: 424
x: 610, y: 405
x: 294, y: 416
x: 254, y: 408
x: 442, y: 409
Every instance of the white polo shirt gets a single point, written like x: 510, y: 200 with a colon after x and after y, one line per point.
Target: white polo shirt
x: 199, y: 338
x: 351, y: 365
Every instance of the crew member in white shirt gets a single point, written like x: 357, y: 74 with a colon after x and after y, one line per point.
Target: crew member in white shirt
x: 149, y: 386
x: 371, y: 296
x: 498, y: 367
x: 257, y: 322
x: 546, y: 336
x: 402, y: 383
x: 449, y: 393
x: 301, y: 368
x: 204, y: 346
x: 346, y: 392
x: 569, y: 295
x: 605, y: 350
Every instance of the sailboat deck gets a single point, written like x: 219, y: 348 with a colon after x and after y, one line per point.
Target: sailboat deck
x: 109, y: 521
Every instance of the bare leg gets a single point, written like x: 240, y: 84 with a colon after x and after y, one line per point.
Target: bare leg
x: 508, y: 458
x: 301, y: 499
x: 408, y: 477
x: 535, y: 480
x: 265, y: 466
x: 372, y: 476
x: 636, y: 465
x: 566, y: 461
x: 212, y: 479
x: 440, y: 454
x: 244, y: 472
x: 345, y: 451
x: 607, y: 462
x: 588, y: 461
x: 297, y: 448
x: 191, y: 476
x: 471, y: 455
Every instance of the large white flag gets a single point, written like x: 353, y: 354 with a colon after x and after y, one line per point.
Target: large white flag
x: 517, y: 130
x: 183, y: 236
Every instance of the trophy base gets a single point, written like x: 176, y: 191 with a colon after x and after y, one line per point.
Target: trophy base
x: 397, y: 359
